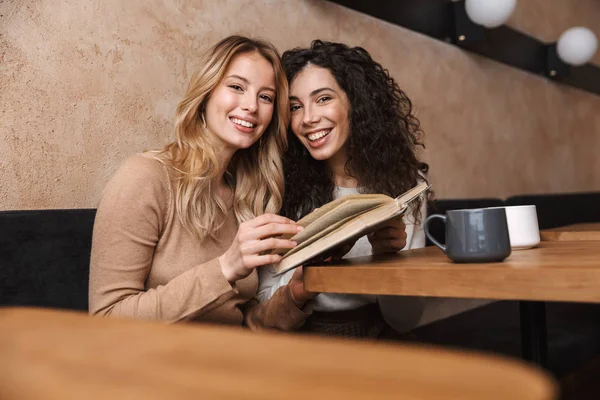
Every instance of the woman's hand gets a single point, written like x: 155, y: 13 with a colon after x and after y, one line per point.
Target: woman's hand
x: 299, y: 294
x: 338, y: 252
x: 390, y: 237
x: 253, y: 243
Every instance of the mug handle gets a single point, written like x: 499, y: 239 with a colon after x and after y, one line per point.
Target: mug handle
x: 429, y: 235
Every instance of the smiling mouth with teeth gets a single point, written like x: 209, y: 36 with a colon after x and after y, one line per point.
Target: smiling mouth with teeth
x: 318, y: 135
x: 243, y: 123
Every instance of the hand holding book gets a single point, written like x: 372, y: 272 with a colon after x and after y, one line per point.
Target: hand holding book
x: 296, y: 285
x: 253, y: 245
x: 389, y: 237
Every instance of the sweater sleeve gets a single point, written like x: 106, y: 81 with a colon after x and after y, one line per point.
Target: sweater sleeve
x: 269, y: 283
x: 129, y: 222
x: 278, y: 312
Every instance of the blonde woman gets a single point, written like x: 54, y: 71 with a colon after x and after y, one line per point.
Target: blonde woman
x: 179, y: 232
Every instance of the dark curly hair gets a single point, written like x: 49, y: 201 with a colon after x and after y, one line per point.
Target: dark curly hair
x: 384, y: 133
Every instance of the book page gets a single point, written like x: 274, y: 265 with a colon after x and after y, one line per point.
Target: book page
x: 315, y: 237
x: 335, y: 211
x: 410, y: 195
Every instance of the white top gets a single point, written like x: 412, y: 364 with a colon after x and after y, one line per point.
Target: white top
x: 403, y: 313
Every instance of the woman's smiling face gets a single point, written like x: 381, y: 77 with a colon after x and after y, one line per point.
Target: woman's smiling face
x: 241, y: 106
x: 320, y: 112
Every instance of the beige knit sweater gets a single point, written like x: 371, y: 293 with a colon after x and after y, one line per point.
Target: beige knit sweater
x: 145, y: 264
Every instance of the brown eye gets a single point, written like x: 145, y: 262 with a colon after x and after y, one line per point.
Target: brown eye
x: 267, y: 98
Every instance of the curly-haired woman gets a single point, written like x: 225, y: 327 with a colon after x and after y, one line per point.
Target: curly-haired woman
x: 352, y: 130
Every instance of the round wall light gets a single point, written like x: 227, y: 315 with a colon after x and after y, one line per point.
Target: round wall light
x: 576, y: 46
x: 489, y: 13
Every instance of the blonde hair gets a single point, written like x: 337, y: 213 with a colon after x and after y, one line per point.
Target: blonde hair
x: 256, y: 172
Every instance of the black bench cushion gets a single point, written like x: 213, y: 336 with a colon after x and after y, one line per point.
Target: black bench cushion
x: 44, y: 257
x: 556, y: 210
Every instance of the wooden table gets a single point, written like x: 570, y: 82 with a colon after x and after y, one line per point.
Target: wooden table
x: 61, y: 355
x: 553, y: 271
x: 590, y: 231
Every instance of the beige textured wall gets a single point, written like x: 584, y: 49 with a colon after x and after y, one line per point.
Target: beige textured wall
x: 85, y: 83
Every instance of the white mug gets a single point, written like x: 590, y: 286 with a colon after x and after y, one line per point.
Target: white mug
x: 523, y: 228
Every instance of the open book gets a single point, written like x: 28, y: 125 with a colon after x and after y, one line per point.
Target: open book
x: 341, y: 220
